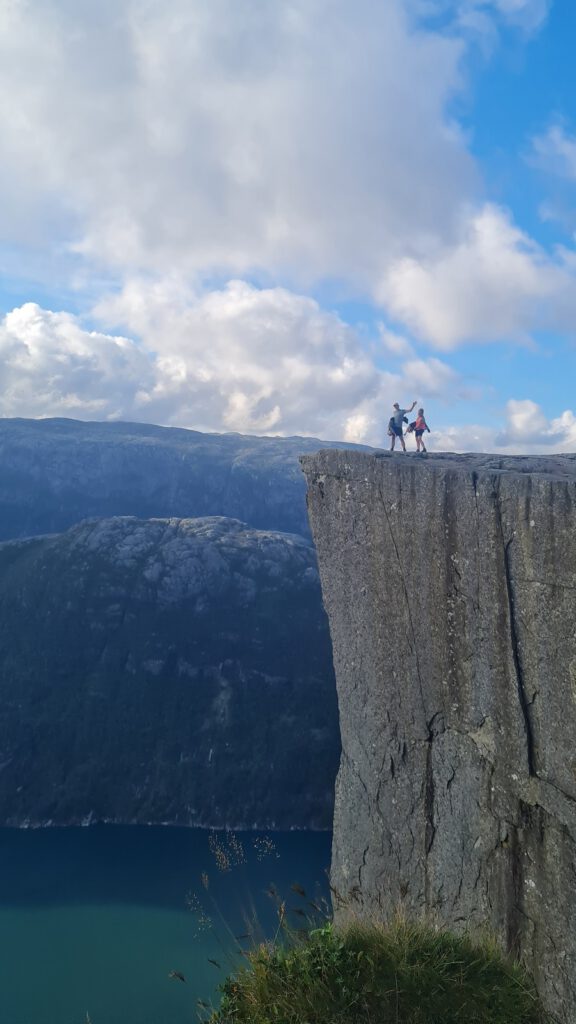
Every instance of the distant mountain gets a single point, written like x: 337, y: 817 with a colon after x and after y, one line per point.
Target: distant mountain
x: 56, y: 472
x: 163, y: 670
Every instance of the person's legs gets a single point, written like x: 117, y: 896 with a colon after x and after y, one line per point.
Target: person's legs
x: 392, y: 442
x: 402, y: 442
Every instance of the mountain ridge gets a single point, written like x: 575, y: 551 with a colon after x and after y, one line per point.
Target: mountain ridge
x: 56, y: 472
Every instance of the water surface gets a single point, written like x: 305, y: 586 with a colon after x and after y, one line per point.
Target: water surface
x: 93, y: 920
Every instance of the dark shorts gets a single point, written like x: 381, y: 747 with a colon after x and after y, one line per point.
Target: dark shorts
x: 418, y: 433
x: 397, y: 430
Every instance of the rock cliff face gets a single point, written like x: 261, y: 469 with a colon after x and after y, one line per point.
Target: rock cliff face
x: 165, y: 671
x: 450, y: 586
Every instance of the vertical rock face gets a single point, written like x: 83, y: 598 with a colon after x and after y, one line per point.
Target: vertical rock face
x: 450, y: 586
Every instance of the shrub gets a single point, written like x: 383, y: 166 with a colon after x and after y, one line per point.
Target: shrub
x: 400, y: 974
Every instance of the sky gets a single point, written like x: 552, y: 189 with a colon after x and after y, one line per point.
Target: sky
x: 282, y: 217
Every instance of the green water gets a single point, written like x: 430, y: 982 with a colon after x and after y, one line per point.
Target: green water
x: 93, y: 920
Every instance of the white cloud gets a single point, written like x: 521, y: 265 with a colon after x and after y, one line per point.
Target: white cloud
x: 357, y: 428
x: 308, y: 139
x: 526, y: 421
x: 495, y: 284
x: 262, y: 361
x: 527, y: 431
x: 250, y: 359
x: 528, y: 426
x: 50, y: 366
x: 241, y: 358
x: 274, y: 361
x: 395, y: 345
x: 291, y: 142
x: 432, y: 378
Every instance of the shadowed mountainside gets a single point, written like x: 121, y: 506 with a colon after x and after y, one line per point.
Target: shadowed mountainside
x: 165, y: 671
x: 56, y: 472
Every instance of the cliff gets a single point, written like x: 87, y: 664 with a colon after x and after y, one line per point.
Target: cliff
x: 450, y: 586
x: 165, y: 671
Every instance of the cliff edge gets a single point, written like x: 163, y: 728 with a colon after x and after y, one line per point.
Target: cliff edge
x: 450, y: 587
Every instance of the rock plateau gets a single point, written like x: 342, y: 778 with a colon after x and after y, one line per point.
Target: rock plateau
x: 450, y: 586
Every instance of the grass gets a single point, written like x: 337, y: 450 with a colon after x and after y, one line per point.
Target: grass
x: 370, y: 974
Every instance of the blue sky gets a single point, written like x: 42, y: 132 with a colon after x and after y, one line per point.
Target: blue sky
x: 524, y: 85
x: 282, y: 218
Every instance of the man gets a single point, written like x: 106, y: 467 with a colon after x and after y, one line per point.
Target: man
x: 395, y: 427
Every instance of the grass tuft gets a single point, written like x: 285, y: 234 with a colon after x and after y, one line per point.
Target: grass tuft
x: 370, y: 974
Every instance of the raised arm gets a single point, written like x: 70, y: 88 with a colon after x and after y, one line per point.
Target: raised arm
x: 412, y: 406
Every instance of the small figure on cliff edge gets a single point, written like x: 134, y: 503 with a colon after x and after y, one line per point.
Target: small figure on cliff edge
x: 395, y: 426
x: 420, y: 426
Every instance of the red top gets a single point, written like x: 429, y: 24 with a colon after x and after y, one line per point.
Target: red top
x: 420, y: 423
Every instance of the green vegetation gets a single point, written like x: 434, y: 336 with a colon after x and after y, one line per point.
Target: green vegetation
x: 399, y: 974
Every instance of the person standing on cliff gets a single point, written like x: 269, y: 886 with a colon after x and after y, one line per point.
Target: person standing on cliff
x: 395, y: 428
x: 419, y: 427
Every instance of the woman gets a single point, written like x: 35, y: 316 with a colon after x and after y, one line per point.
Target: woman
x: 419, y: 428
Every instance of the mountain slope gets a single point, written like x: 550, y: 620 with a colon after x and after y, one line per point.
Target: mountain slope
x: 54, y: 473
x: 165, y: 670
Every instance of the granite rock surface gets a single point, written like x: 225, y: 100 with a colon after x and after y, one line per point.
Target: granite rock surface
x: 450, y: 586
x: 172, y: 671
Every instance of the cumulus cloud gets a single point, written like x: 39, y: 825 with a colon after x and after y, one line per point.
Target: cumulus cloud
x: 432, y: 377
x: 243, y: 358
x: 495, y: 284
x: 50, y: 366
x: 291, y: 368
x: 528, y: 427
x: 394, y: 344
x: 275, y: 360
x: 526, y: 431
x: 239, y: 358
x: 299, y: 142
x: 230, y: 136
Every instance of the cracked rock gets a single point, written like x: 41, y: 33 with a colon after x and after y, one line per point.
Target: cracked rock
x: 450, y: 586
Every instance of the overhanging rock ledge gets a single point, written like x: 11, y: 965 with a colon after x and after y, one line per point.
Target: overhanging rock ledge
x: 450, y: 586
